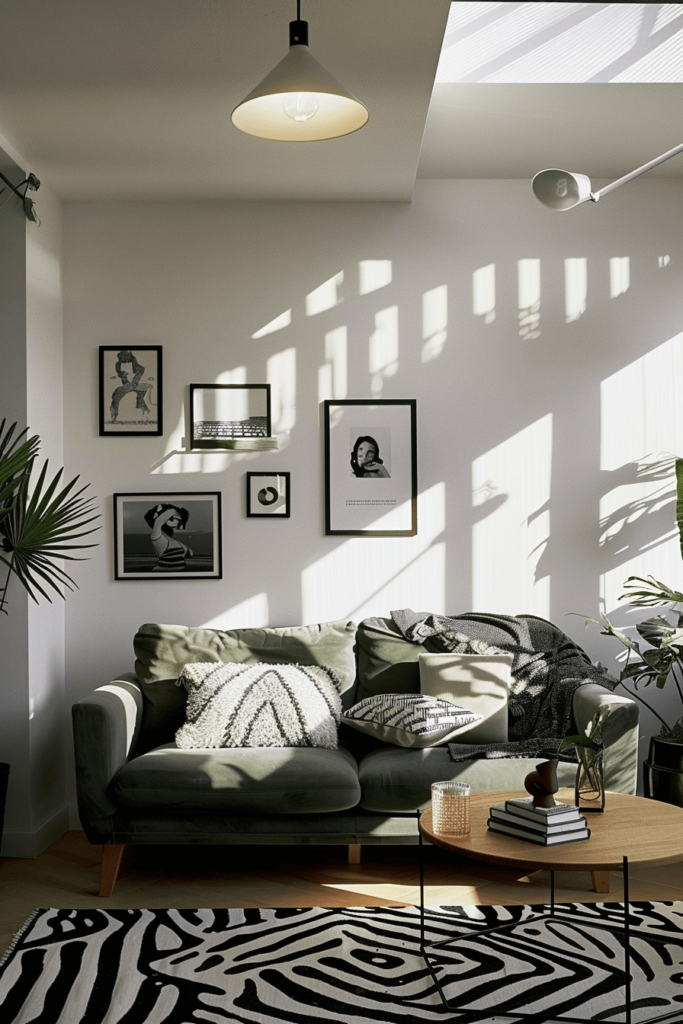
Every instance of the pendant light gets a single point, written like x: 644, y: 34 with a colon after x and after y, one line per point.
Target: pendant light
x: 299, y: 101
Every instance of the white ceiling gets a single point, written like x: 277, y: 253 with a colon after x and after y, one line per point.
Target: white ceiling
x: 132, y: 98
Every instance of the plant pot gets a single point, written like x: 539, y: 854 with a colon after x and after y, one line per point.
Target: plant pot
x: 4, y: 776
x: 663, y: 772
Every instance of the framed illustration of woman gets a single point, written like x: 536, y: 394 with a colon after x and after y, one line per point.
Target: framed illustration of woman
x: 167, y: 536
x: 130, y: 393
x: 371, y: 467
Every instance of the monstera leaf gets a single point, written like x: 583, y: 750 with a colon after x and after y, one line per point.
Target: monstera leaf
x: 659, y: 632
x: 647, y: 592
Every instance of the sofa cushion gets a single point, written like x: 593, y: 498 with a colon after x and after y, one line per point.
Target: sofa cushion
x: 259, y: 706
x: 396, y: 780
x: 248, y: 780
x: 386, y: 662
x: 162, y: 651
x: 480, y: 682
x: 409, y: 720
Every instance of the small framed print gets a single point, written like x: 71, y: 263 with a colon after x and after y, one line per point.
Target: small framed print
x: 371, y: 467
x: 223, y: 413
x: 268, y: 495
x: 131, y: 396
x: 174, y: 535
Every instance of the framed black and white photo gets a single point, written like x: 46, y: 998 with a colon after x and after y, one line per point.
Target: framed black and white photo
x: 268, y: 495
x: 131, y: 396
x: 371, y: 467
x: 174, y: 535
x: 223, y: 413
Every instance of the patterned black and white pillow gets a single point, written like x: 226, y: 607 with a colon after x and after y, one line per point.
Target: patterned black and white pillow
x: 259, y: 705
x: 410, y: 721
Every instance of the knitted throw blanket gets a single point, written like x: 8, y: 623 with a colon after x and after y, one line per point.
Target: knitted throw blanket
x: 547, y: 665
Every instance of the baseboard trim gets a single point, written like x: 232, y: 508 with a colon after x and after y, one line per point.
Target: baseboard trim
x: 32, y: 844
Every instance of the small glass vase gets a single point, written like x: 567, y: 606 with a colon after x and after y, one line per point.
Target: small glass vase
x: 589, y: 789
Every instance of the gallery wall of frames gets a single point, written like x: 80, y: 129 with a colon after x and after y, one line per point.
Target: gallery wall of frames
x: 370, y: 456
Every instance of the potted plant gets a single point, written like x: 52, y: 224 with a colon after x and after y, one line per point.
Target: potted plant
x: 40, y: 525
x: 657, y: 663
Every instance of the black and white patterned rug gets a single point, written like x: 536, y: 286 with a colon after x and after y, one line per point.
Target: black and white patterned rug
x: 351, y: 965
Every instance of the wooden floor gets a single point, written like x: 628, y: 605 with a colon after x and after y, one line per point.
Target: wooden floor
x: 67, y: 875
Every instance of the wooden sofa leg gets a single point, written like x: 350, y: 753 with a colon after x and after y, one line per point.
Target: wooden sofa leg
x: 354, y: 853
x: 111, y: 862
x: 601, y: 881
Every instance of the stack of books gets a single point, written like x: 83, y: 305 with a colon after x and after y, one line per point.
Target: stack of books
x: 546, y: 826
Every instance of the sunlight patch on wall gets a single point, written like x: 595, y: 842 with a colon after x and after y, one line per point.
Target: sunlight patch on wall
x: 641, y: 413
x: 508, y: 542
x: 373, y: 572
x: 383, y: 349
x: 177, y: 456
x: 373, y: 274
x: 332, y: 376
x: 484, y: 293
x: 434, y: 322
x: 575, y: 288
x: 619, y: 275
x: 666, y: 14
x: 280, y: 322
x: 325, y: 296
x: 663, y: 261
x: 281, y: 375
x: 662, y: 64
x: 236, y: 376
x: 252, y: 612
x: 529, y: 298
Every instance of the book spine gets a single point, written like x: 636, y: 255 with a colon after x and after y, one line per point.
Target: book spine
x: 536, y: 837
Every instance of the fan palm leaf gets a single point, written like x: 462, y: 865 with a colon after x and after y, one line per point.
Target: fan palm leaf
x: 15, y: 462
x: 46, y: 525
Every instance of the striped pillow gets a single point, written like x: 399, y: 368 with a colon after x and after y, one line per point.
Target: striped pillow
x: 410, y: 721
x: 259, y: 705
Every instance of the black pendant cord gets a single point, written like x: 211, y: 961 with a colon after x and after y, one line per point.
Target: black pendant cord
x: 298, y: 10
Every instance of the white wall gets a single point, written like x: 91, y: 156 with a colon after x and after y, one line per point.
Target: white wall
x: 32, y: 725
x: 534, y: 414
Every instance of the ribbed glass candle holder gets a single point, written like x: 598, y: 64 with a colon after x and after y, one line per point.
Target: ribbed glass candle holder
x: 451, y: 808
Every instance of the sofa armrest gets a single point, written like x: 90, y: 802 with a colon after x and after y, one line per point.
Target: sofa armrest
x: 106, y: 726
x: 619, y: 733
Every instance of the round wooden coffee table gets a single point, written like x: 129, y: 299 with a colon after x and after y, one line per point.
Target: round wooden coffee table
x: 644, y: 831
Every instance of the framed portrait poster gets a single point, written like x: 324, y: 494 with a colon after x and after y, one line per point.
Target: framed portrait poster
x: 268, y: 495
x: 174, y: 535
x: 131, y: 396
x: 223, y: 413
x: 371, y: 467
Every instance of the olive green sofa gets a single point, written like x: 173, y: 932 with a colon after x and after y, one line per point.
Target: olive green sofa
x: 135, y: 786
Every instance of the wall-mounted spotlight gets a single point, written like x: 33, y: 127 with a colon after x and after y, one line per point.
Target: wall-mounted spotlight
x: 563, y: 190
x: 299, y: 101
x: 30, y: 183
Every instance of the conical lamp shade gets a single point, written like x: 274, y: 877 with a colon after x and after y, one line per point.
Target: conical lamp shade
x: 299, y: 80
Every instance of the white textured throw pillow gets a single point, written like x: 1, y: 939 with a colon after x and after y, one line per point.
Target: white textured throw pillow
x: 480, y: 682
x: 409, y: 721
x: 260, y: 705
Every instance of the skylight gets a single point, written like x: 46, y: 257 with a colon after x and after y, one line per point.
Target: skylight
x: 562, y: 42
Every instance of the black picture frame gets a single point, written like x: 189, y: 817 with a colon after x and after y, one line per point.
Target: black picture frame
x: 137, y: 556
x: 222, y: 413
x: 378, y: 497
x: 131, y: 395
x: 268, y: 495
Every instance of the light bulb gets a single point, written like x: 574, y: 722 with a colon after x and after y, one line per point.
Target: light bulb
x: 300, y: 106
x: 562, y: 188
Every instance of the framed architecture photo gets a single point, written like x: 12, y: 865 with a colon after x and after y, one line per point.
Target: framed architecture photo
x: 268, y: 495
x: 223, y: 413
x: 371, y: 467
x: 131, y: 395
x: 174, y: 535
